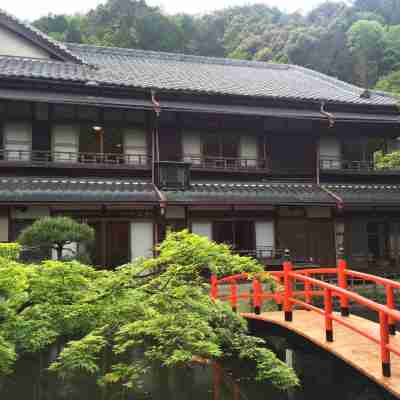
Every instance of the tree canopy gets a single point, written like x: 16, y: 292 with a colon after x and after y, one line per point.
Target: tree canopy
x: 158, y: 310
x: 55, y: 233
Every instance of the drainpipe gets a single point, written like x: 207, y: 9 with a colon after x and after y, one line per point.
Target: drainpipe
x: 155, y: 141
x: 328, y: 115
x: 339, y: 200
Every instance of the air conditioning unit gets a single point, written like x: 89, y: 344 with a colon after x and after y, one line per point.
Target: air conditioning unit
x: 172, y: 175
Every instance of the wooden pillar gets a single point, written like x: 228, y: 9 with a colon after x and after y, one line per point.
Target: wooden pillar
x: 103, y: 235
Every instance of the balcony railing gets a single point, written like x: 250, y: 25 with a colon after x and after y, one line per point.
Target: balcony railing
x: 354, y: 166
x: 60, y: 158
x: 226, y: 163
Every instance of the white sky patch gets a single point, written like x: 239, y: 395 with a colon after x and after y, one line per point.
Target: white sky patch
x: 33, y: 9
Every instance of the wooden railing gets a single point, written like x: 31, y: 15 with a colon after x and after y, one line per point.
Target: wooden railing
x: 226, y: 163
x: 38, y: 158
x: 311, y: 287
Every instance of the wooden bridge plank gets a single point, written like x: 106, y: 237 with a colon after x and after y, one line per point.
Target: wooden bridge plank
x: 356, y: 350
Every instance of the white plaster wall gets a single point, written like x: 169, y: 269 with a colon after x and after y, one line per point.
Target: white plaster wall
x: 141, y: 239
x: 248, y: 150
x: 18, y: 140
x: 329, y: 147
x: 265, y: 234
x: 65, y: 141
x: 191, y: 145
x: 70, y: 251
x: 12, y: 44
x: 4, y: 228
x: 135, y: 145
x: 203, y: 228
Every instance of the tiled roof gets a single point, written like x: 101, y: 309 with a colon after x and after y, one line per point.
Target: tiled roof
x: 30, y: 32
x: 182, y: 73
x: 32, y: 189
x: 265, y: 193
x: 367, y: 194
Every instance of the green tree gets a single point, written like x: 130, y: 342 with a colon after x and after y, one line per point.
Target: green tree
x: 158, y: 309
x: 390, y: 83
x: 55, y: 233
x: 365, y: 41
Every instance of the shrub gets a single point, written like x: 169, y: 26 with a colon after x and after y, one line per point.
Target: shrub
x: 55, y: 233
x: 10, y: 251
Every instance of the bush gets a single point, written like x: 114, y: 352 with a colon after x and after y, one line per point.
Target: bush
x: 10, y: 251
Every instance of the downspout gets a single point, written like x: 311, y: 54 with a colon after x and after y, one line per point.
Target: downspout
x: 156, y: 158
x: 155, y: 141
x: 338, y: 199
x: 328, y: 115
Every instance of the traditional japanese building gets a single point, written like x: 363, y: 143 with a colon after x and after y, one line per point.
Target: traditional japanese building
x: 262, y: 156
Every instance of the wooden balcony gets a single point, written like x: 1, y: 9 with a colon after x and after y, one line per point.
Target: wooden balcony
x: 336, y: 165
x: 226, y: 163
x: 22, y: 158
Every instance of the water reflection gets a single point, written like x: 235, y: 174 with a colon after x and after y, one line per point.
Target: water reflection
x: 323, y: 377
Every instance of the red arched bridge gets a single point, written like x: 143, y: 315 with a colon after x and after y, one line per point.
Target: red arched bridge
x: 372, y: 348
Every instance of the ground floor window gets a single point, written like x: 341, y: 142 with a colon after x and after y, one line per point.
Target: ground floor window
x: 238, y: 234
x: 373, y: 241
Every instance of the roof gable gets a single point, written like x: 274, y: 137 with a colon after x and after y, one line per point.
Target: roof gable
x: 24, y: 40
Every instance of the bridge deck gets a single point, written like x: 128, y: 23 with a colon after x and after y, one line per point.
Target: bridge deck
x: 351, y: 347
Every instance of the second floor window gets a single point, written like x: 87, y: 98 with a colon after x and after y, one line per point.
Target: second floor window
x: 220, y: 146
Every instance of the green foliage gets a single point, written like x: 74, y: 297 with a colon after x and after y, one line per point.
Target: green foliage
x: 118, y: 325
x: 365, y: 40
x: 55, y: 233
x: 390, y: 83
x: 10, y: 250
x: 389, y: 161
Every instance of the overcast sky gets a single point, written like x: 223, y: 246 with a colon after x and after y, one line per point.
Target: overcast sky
x: 32, y: 9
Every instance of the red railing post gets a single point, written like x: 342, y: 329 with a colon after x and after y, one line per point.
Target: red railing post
x: 390, y: 303
x: 342, y: 280
x: 308, y: 290
x: 287, y: 280
x: 328, y: 315
x: 256, y: 296
x: 385, y: 352
x: 214, y: 287
x: 234, y: 295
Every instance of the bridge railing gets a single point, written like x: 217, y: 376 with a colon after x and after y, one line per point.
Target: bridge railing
x: 287, y: 297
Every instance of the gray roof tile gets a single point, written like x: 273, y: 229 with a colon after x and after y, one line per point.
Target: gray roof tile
x: 39, y: 189
x: 368, y: 194
x: 261, y: 193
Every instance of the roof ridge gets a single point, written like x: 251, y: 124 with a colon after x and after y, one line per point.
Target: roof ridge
x: 179, y: 56
x: 55, y: 44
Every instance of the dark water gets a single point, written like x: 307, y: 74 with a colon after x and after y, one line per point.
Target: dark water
x: 323, y: 377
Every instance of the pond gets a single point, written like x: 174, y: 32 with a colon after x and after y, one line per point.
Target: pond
x: 322, y: 377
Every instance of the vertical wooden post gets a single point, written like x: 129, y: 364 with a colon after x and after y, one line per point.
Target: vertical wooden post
x: 287, y: 304
x: 328, y: 315
x: 217, y: 379
x: 233, y: 297
x: 391, y: 304
x: 256, y: 296
x: 342, y: 280
x: 385, y: 352
x: 214, y: 287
